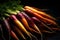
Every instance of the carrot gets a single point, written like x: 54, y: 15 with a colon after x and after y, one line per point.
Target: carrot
x: 25, y: 23
x: 41, y: 17
x: 39, y: 12
x: 19, y: 25
x: 41, y: 23
x: 6, y: 24
x: 13, y: 35
x: 10, y: 32
x: 19, y: 32
x: 6, y: 28
x: 30, y: 22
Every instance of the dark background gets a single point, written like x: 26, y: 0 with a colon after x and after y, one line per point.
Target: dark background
x: 52, y: 6
x: 53, y: 9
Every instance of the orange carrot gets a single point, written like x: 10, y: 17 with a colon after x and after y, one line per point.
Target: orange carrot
x: 41, y: 17
x: 39, y: 12
x: 31, y: 23
x: 25, y: 23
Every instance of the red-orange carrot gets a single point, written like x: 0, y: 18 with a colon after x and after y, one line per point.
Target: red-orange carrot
x: 41, y: 17
x: 14, y: 35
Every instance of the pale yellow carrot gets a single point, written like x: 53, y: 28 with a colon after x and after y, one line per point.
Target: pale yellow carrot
x: 19, y: 25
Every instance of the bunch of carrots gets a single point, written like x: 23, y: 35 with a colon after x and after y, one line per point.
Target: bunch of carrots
x: 28, y: 24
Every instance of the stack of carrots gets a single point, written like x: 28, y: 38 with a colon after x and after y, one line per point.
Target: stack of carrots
x: 27, y: 25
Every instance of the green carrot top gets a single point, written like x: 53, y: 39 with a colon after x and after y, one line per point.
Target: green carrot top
x: 10, y: 7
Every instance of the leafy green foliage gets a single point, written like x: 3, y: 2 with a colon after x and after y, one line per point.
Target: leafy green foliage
x: 10, y: 7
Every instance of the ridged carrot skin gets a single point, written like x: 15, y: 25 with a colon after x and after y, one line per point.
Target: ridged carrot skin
x: 25, y: 23
x: 13, y: 35
x: 41, y: 23
x: 19, y: 32
x: 30, y: 22
x: 39, y: 12
x: 46, y: 20
x: 19, y: 25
